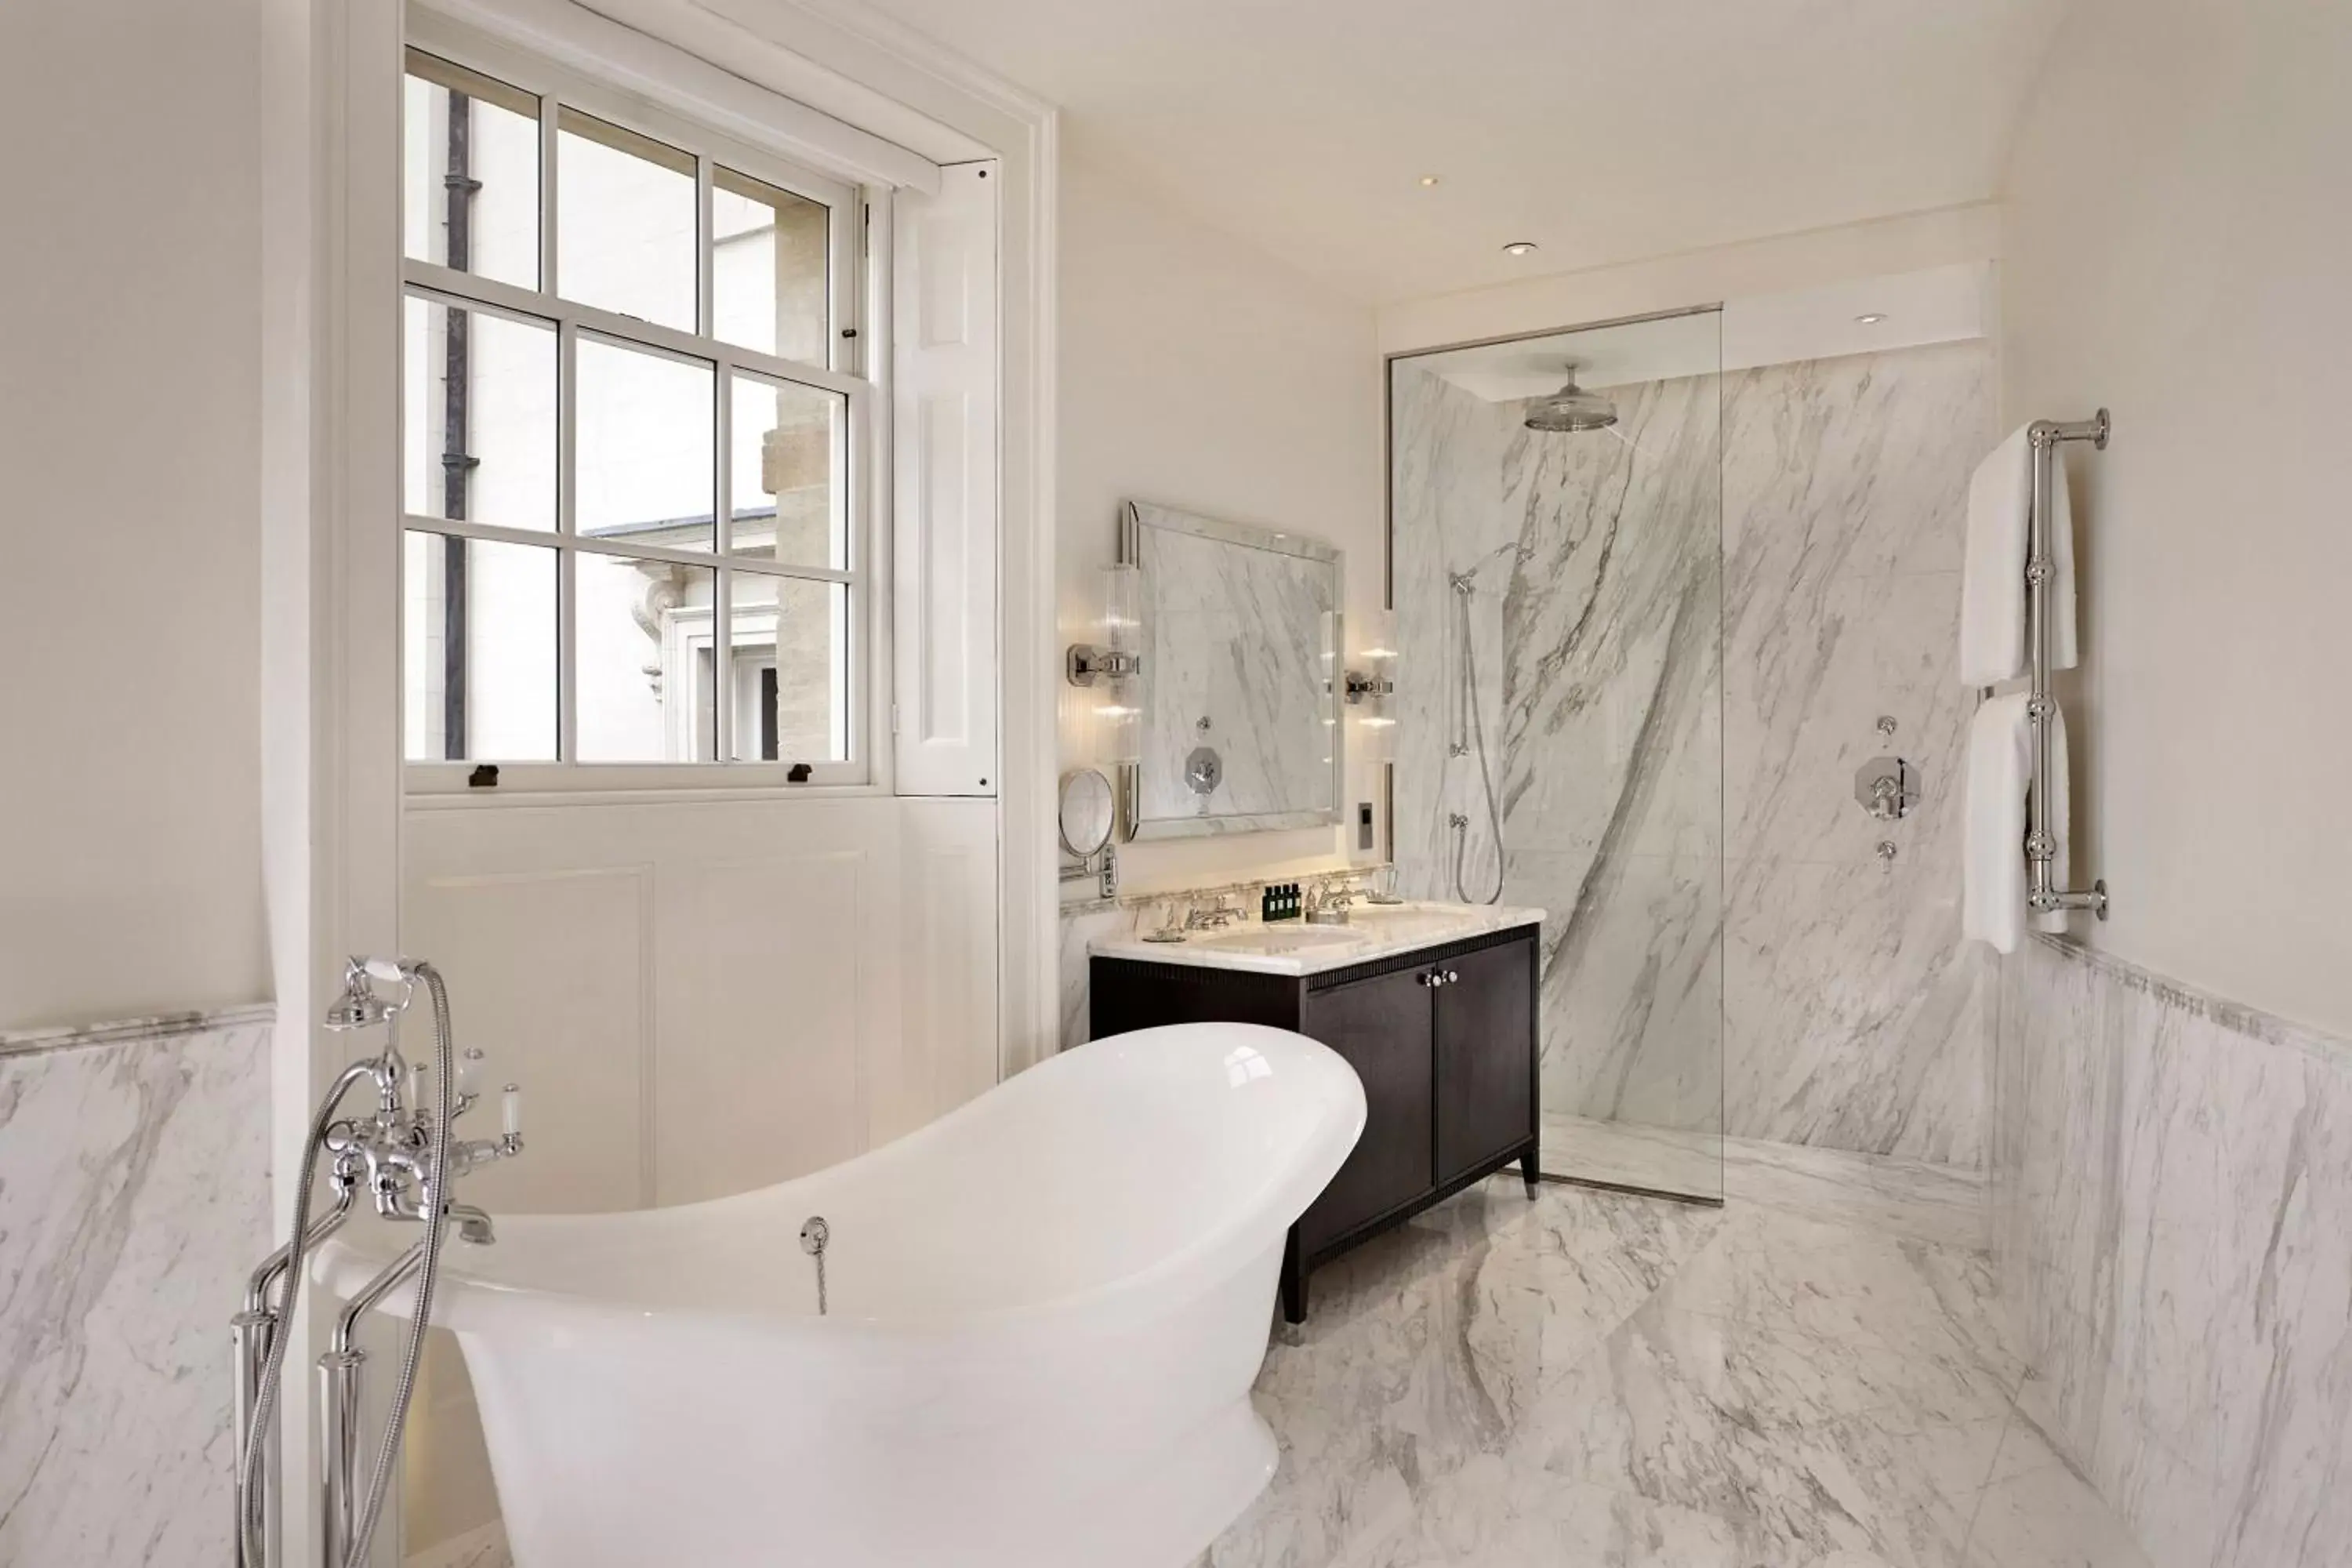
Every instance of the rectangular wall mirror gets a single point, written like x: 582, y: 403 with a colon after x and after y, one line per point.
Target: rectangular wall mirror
x: 1241, y: 627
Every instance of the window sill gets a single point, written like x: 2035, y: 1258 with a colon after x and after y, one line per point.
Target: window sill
x: 432, y: 786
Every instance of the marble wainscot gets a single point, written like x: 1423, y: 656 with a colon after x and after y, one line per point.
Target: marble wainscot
x: 2172, y: 1217
x: 134, y: 1200
x: 1685, y: 641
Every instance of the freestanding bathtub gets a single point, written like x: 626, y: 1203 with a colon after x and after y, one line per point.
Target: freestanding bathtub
x: 1047, y: 1310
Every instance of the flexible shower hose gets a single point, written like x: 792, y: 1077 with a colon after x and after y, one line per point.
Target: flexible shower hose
x: 1485, y: 774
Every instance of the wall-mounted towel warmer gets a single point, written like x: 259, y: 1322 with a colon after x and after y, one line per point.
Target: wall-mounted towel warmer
x: 2041, y: 845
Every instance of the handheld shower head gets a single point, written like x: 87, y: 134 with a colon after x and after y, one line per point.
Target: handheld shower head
x: 1571, y: 410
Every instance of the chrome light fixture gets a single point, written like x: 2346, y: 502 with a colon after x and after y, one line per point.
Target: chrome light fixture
x: 1113, y: 669
x: 1371, y: 687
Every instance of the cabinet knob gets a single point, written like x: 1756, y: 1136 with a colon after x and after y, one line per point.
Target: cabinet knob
x: 1431, y: 977
x: 1450, y: 977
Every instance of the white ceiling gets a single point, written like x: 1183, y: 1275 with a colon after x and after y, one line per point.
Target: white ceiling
x: 1606, y: 131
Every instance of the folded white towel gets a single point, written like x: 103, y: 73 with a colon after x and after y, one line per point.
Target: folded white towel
x: 1993, y: 863
x: 1992, y: 578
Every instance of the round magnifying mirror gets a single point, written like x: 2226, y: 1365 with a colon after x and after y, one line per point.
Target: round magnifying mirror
x: 1086, y: 812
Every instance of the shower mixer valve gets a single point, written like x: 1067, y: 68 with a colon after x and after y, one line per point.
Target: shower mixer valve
x: 394, y: 1144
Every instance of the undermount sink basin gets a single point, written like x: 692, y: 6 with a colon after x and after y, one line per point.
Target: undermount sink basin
x: 1392, y: 920
x: 1278, y: 939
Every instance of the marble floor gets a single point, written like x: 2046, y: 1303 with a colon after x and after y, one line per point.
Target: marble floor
x: 1815, y: 1375
x: 1594, y: 1379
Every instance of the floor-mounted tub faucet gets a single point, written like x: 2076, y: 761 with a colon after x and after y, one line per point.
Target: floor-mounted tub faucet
x: 404, y: 1156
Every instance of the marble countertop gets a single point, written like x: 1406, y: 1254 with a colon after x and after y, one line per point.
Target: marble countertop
x: 1295, y: 947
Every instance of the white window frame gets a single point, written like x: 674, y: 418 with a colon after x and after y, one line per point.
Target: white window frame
x: 857, y: 370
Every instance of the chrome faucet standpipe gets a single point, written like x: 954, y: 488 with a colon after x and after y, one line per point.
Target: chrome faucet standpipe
x: 403, y: 1157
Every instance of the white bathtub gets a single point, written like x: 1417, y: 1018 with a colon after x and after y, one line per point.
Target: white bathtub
x: 1046, y: 1312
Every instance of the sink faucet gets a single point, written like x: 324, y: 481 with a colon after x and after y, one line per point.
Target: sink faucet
x: 1215, y: 918
x: 1328, y: 902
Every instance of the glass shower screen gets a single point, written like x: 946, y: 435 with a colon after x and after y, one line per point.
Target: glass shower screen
x: 1556, y: 565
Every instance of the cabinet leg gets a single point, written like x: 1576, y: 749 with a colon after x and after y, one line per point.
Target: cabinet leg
x: 1294, y: 1280
x: 1530, y: 1171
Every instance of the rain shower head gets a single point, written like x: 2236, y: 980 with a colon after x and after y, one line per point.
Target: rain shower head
x: 1571, y: 409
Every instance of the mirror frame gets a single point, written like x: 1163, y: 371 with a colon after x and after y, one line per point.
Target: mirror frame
x: 1137, y: 516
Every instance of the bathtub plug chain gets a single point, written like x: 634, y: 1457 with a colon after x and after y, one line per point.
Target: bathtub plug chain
x: 813, y: 1236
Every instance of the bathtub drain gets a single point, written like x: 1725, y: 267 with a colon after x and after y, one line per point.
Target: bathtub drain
x: 814, y: 1234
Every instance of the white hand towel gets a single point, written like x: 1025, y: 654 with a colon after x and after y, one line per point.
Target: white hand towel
x: 1992, y: 859
x: 1992, y: 578
x: 1992, y: 864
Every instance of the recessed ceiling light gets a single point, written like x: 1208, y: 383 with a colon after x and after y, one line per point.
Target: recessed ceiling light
x: 1871, y: 318
x: 1427, y: 181
x: 1520, y: 247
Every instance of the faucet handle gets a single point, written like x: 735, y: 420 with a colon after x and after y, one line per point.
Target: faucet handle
x: 469, y: 1073
x: 511, y: 1112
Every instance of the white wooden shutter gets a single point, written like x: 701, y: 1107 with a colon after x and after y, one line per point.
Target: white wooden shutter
x: 944, y: 457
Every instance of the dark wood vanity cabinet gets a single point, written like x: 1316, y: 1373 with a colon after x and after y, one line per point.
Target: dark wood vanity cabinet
x: 1444, y: 1039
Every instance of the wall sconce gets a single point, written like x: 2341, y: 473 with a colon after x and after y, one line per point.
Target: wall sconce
x: 1372, y: 687
x: 1113, y: 669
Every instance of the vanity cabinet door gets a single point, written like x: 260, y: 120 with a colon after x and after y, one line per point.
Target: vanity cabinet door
x: 1381, y: 1026
x: 1485, y: 1054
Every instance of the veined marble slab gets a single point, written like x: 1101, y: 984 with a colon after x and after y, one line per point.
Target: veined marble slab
x: 1293, y: 947
x: 134, y: 1190
x: 1620, y: 1381
x: 1946, y: 1206
x: 2173, y: 1221
x: 1684, y: 643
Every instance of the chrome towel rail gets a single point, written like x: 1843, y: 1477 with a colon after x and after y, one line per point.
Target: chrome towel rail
x: 2040, y: 575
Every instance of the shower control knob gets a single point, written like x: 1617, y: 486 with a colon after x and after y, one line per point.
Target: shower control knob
x: 510, y: 1110
x: 470, y: 1072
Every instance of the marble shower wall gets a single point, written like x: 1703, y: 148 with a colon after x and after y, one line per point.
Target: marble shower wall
x: 134, y: 1200
x: 1677, y: 705
x: 2173, y: 1220
x: 1594, y: 627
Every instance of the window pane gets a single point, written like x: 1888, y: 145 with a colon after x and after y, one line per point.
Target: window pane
x: 644, y: 447
x: 478, y: 651
x: 784, y: 473
x: 469, y: 172
x: 647, y: 682
x: 791, y: 640
x: 625, y: 221
x: 768, y: 268
x: 478, y: 417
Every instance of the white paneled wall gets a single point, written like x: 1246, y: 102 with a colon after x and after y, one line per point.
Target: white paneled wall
x: 699, y: 999
x: 945, y: 366
x: 706, y: 998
